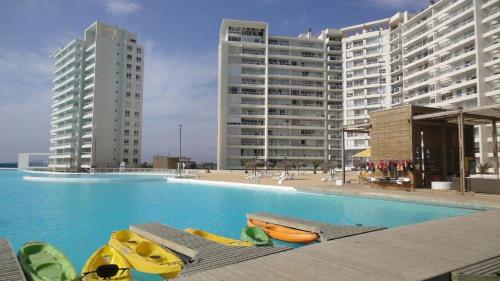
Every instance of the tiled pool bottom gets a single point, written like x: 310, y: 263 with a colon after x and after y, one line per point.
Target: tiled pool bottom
x: 78, y: 216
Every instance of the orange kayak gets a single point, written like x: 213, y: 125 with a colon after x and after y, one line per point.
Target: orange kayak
x: 283, y: 233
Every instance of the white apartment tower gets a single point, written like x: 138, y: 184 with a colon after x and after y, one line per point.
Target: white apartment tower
x: 451, y: 58
x: 288, y: 97
x: 369, y: 83
x: 279, y: 96
x: 97, y: 100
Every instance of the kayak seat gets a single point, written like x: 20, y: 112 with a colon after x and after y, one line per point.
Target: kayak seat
x: 50, y: 271
x: 40, y: 258
x: 132, y: 241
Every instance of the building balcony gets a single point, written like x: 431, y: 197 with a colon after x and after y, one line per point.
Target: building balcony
x: 70, y: 107
x: 60, y: 165
x: 62, y: 146
x: 87, y: 125
x: 88, y: 115
x: 89, y: 76
x: 90, y: 57
x: 89, y: 86
x: 493, y: 78
x: 64, y: 118
x: 87, y: 135
x: 58, y: 137
x: 491, y: 17
x: 65, y: 155
x: 87, y: 144
x: 89, y: 67
x: 493, y: 32
x: 493, y: 48
x: 63, y: 92
x: 62, y: 76
x: 63, y: 128
x: 89, y: 96
x: 490, y: 3
x: 67, y: 63
x: 65, y: 100
x: 88, y: 105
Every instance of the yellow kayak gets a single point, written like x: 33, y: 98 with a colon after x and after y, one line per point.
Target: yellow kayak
x: 145, y: 255
x: 219, y: 239
x: 106, y: 260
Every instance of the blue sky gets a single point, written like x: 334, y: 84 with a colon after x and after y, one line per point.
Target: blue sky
x: 181, y: 40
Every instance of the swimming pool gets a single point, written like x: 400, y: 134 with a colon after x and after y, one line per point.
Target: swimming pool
x: 78, y: 216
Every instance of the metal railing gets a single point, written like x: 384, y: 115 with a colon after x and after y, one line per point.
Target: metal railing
x: 191, y: 173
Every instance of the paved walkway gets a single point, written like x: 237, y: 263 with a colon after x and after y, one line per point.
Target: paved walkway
x: 309, y: 182
x: 413, y: 252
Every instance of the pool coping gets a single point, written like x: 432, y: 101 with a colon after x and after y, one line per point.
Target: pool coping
x: 345, y: 192
x: 232, y: 184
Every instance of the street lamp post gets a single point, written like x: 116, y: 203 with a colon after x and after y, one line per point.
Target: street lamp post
x: 180, y: 150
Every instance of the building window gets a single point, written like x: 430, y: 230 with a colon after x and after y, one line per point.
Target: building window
x: 136, y: 160
x: 136, y: 142
x: 137, y: 68
x: 127, y: 124
x: 137, y: 95
x: 127, y: 94
x: 129, y: 57
x: 127, y: 113
x: 138, y: 78
x: 125, y: 141
x: 125, y: 160
x: 126, y: 132
x: 125, y: 151
x: 129, y: 48
x: 138, y: 59
x: 136, y: 133
x: 135, y: 151
x: 129, y: 66
x: 136, y: 114
x: 139, y: 50
x: 128, y: 85
x: 129, y: 76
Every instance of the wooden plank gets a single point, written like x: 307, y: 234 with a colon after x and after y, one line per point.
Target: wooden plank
x: 209, y: 255
x: 408, y: 253
x: 165, y: 242
x: 10, y: 270
x: 485, y: 270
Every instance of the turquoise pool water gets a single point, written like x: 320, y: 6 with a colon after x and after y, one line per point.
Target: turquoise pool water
x: 78, y: 217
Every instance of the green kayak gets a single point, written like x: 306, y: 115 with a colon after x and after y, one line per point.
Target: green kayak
x: 43, y: 262
x: 256, y: 236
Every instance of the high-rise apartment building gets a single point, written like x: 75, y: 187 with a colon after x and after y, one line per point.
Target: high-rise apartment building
x: 451, y: 58
x: 288, y: 97
x: 97, y: 100
x: 279, y: 96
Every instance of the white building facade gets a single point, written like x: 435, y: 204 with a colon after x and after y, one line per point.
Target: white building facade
x: 97, y: 100
x: 288, y: 97
x: 280, y: 97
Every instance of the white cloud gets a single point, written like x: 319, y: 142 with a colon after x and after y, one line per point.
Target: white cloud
x: 180, y: 88
x: 24, y: 102
x: 122, y: 7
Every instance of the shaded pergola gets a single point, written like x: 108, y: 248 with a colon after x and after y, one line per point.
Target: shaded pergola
x: 482, y: 115
x: 459, y: 117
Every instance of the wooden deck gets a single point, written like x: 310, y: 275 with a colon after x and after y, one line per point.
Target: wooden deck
x: 204, y: 254
x: 10, y: 270
x: 325, y: 231
x: 485, y: 270
x: 413, y: 252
